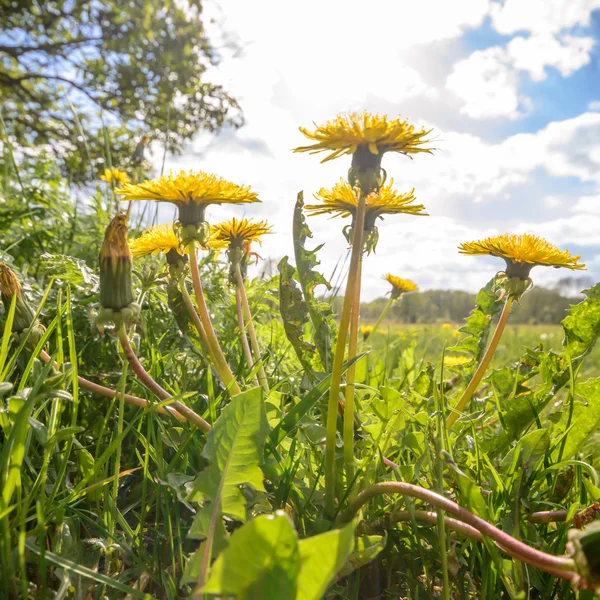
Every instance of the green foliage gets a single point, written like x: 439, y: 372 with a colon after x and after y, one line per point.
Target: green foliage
x: 320, y: 312
x: 234, y: 451
x: 295, y: 315
x: 477, y: 326
x: 140, y: 63
x: 102, y: 499
x: 265, y: 560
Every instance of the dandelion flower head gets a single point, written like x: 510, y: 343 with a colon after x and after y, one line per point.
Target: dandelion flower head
x: 376, y: 133
x: 156, y: 240
x: 115, y: 176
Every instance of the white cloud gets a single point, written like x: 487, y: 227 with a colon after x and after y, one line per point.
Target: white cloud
x: 488, y: 80
x: 594, y: 105
x: 588, y: 204
x: 326, y: 57
x: 533, y: 54
x: 552, y: 201
x: 541, y: 16
x: 487, y: 84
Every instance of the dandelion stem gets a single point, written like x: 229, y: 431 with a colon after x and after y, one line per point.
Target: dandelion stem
x: 382, y: 316
x: 483, y: 365
x: 243, y: 336
x: 468, y: 531
x: 531, y: 556
x: 338, y: 359
x: 108, y: 393
x: 221, y: 364
x: 154, y: 387
x: 350, y: 379
x: 239, y: 280
x: 194, y: 316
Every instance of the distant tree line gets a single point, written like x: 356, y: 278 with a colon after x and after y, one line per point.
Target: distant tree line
x: 537, y: 306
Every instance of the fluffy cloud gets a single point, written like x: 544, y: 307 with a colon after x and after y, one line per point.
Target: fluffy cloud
x: 541, y: 16
x: 533, y: 54
x: 326, y: 57
x: 487, y: 85
x: 487, y: 81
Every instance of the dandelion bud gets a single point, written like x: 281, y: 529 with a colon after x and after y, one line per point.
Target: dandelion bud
x: 584, y: 547
x: 24, y: 315
x: 366, y: 172
x: 116, y: 293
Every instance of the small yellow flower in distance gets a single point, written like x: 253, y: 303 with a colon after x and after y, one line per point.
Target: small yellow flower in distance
x: 366, y: 331
x: 456, y: 361
x: 400, y: 286
x: 375, y: 133
x: 191, y: 192
x: 239, y: 233
x: 455, y: 333
x: 341, y: 200
x: 159, y: 239
x: 115, y: 176
x: 447, y: 326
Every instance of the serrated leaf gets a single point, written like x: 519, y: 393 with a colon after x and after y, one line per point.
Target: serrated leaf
x: 71, y: 270
x: 294, y: 314
x: 321, y: 313
x: 476, y: 329
x: 582, y: 324
x: 261, y: 561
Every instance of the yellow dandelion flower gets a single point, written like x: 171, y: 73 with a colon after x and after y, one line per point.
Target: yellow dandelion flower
x: 456, y: 361
x: 447, y: 326
x: 341, y: 200
x: 191, y: 191
x: 115, y: 176
x: 159, y: 239
x: 239, y: 233
x: 455, y: 333
x: 375, y: 134
x: 399, y: 285
x: 522, y: 253
x: 366, y: 329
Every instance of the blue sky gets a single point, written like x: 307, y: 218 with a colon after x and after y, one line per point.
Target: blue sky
x: 511, y: 89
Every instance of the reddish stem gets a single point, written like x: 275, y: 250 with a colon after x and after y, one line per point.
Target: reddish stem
x: 531, y: 556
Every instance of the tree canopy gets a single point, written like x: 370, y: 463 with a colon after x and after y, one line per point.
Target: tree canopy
x: 113, y: 69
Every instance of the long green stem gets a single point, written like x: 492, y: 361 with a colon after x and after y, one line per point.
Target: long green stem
x: 483, y: 365
x: 338, y: 359
x: 154, y: 387
x: 214, y: 348
x: 195, y: 318
x: 350, y: 379
x: 243, y: 336
x: 382, y: 315
x: 251, y: 331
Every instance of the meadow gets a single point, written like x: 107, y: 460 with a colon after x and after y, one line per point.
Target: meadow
x: 171, y: 427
